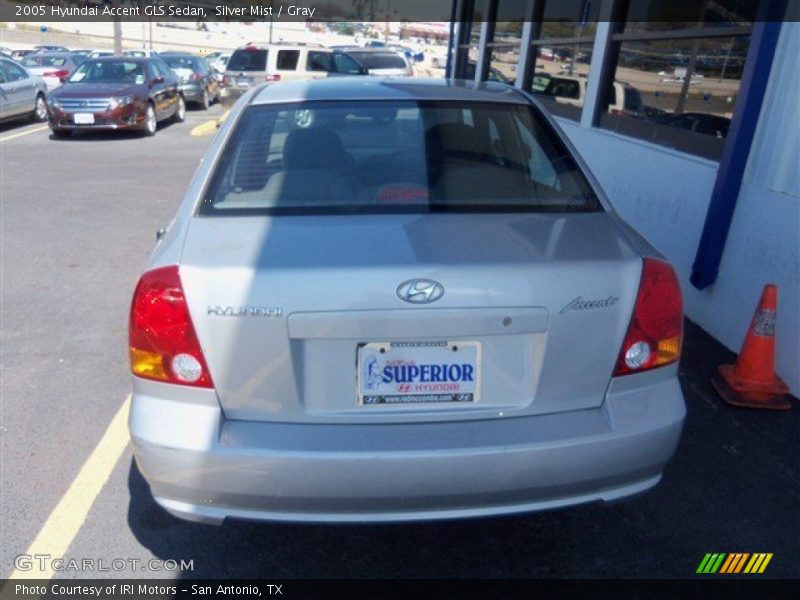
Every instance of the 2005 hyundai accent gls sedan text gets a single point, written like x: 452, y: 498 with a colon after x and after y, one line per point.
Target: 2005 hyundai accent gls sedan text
x: 387, y: 300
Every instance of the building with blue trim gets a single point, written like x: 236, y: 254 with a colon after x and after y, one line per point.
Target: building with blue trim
x: 687, y: 113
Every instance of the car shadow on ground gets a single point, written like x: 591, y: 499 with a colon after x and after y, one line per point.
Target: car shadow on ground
x: 13, y: 124
x: 111, y: 135
x: 733, y: 486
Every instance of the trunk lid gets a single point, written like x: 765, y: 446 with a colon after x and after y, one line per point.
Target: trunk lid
x: 183, y: 74
x: 282, y: 304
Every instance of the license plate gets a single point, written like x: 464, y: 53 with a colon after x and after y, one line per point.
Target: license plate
x: 83, y: 118
x: 438, y: 372
x: 244, y: 81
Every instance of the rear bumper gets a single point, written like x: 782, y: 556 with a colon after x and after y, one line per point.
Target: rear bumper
x: 204, y: 468
x: 229, y: 95
x: 192, y: 92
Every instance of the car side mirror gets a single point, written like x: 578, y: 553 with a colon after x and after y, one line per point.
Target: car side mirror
x: 63, y: 79
x: 363, y: 71
x: 157, y: 80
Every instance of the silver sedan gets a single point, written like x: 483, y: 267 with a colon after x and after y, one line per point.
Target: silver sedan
x: 21, y: 93
x: 389, y: 300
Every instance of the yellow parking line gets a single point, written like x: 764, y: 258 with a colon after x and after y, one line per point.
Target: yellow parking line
x: 210, y: 127
x: 21, y: 133
x: 68, y: 516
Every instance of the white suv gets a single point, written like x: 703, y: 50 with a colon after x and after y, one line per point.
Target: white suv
x: 568, y: 89
x: 254, y: 64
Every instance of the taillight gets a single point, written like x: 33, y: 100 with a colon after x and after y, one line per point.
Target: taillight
x: 162, y: 341
x: 59, y: 74
x: 273, y: 77
x: 656, y: 329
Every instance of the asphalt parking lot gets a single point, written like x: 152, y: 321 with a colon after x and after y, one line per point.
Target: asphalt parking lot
x: 78, y: 219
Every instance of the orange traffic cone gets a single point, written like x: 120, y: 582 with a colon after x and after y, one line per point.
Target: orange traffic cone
x: 752, y: 381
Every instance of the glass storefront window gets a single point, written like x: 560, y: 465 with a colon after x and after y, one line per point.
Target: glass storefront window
x: 561, y: 77
x: 505, y: 49
x: 680, y: 93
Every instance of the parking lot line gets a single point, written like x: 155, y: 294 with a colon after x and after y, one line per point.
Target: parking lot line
x: 21, y: 133
x: 210, y: 126
x: 63, y: 524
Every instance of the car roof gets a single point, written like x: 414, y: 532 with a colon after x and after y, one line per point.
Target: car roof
x: 56, y: 53
x: 386, y: 88
x: 376, y: 50
x: 121, y: 58
x: 282, y: 46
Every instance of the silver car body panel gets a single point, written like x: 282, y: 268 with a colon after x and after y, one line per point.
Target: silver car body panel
x: 18, y: 96
x: 281, y: 436
x: 206, y: 468
x: 300, y: 367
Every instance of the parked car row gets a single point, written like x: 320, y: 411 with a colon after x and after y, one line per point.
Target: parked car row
x: 254, y: 64
x: 199, y: 81
x: 91, y: 89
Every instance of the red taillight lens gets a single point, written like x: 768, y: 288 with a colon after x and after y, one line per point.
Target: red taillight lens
x: 162, y: 341
x: 655, y: 333
x: 59, y: 74
x: 273, y: 77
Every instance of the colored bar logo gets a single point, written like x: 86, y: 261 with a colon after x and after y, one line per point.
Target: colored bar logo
x: 734, y: 563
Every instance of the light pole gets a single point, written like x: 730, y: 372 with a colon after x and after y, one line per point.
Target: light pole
x: 270, y: 21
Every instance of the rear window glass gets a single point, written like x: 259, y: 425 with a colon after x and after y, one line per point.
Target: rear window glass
x: 248, y: 60
x: 44, y: 61
x: 179, y: 62
x: 378, y: 60
x: 319, y: 61
x: 633, y: 99
x: 563, y: 88
x: 390, y: 157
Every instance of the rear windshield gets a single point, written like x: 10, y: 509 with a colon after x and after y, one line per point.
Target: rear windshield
x: 248, y: 59
x: 181, y: 62
x: 395, y: 157
x: 44, y: 61
x: 375, y: 60
x: 563, y: 88
x: 633, y: 100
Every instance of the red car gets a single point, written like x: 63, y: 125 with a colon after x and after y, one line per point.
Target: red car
x: 116, y: 93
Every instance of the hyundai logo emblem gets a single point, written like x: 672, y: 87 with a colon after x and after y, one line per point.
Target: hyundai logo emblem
x: 420, y: 291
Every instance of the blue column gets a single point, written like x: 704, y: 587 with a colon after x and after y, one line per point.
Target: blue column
x: 737, y: 148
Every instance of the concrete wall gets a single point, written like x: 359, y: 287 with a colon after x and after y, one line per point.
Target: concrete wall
x: 665, y: 195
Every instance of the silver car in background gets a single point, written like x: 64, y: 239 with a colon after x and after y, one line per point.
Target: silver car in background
x: 387, y: 300
x: 383, y: 62
x: 21, y: 93
x: 53, y: 67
